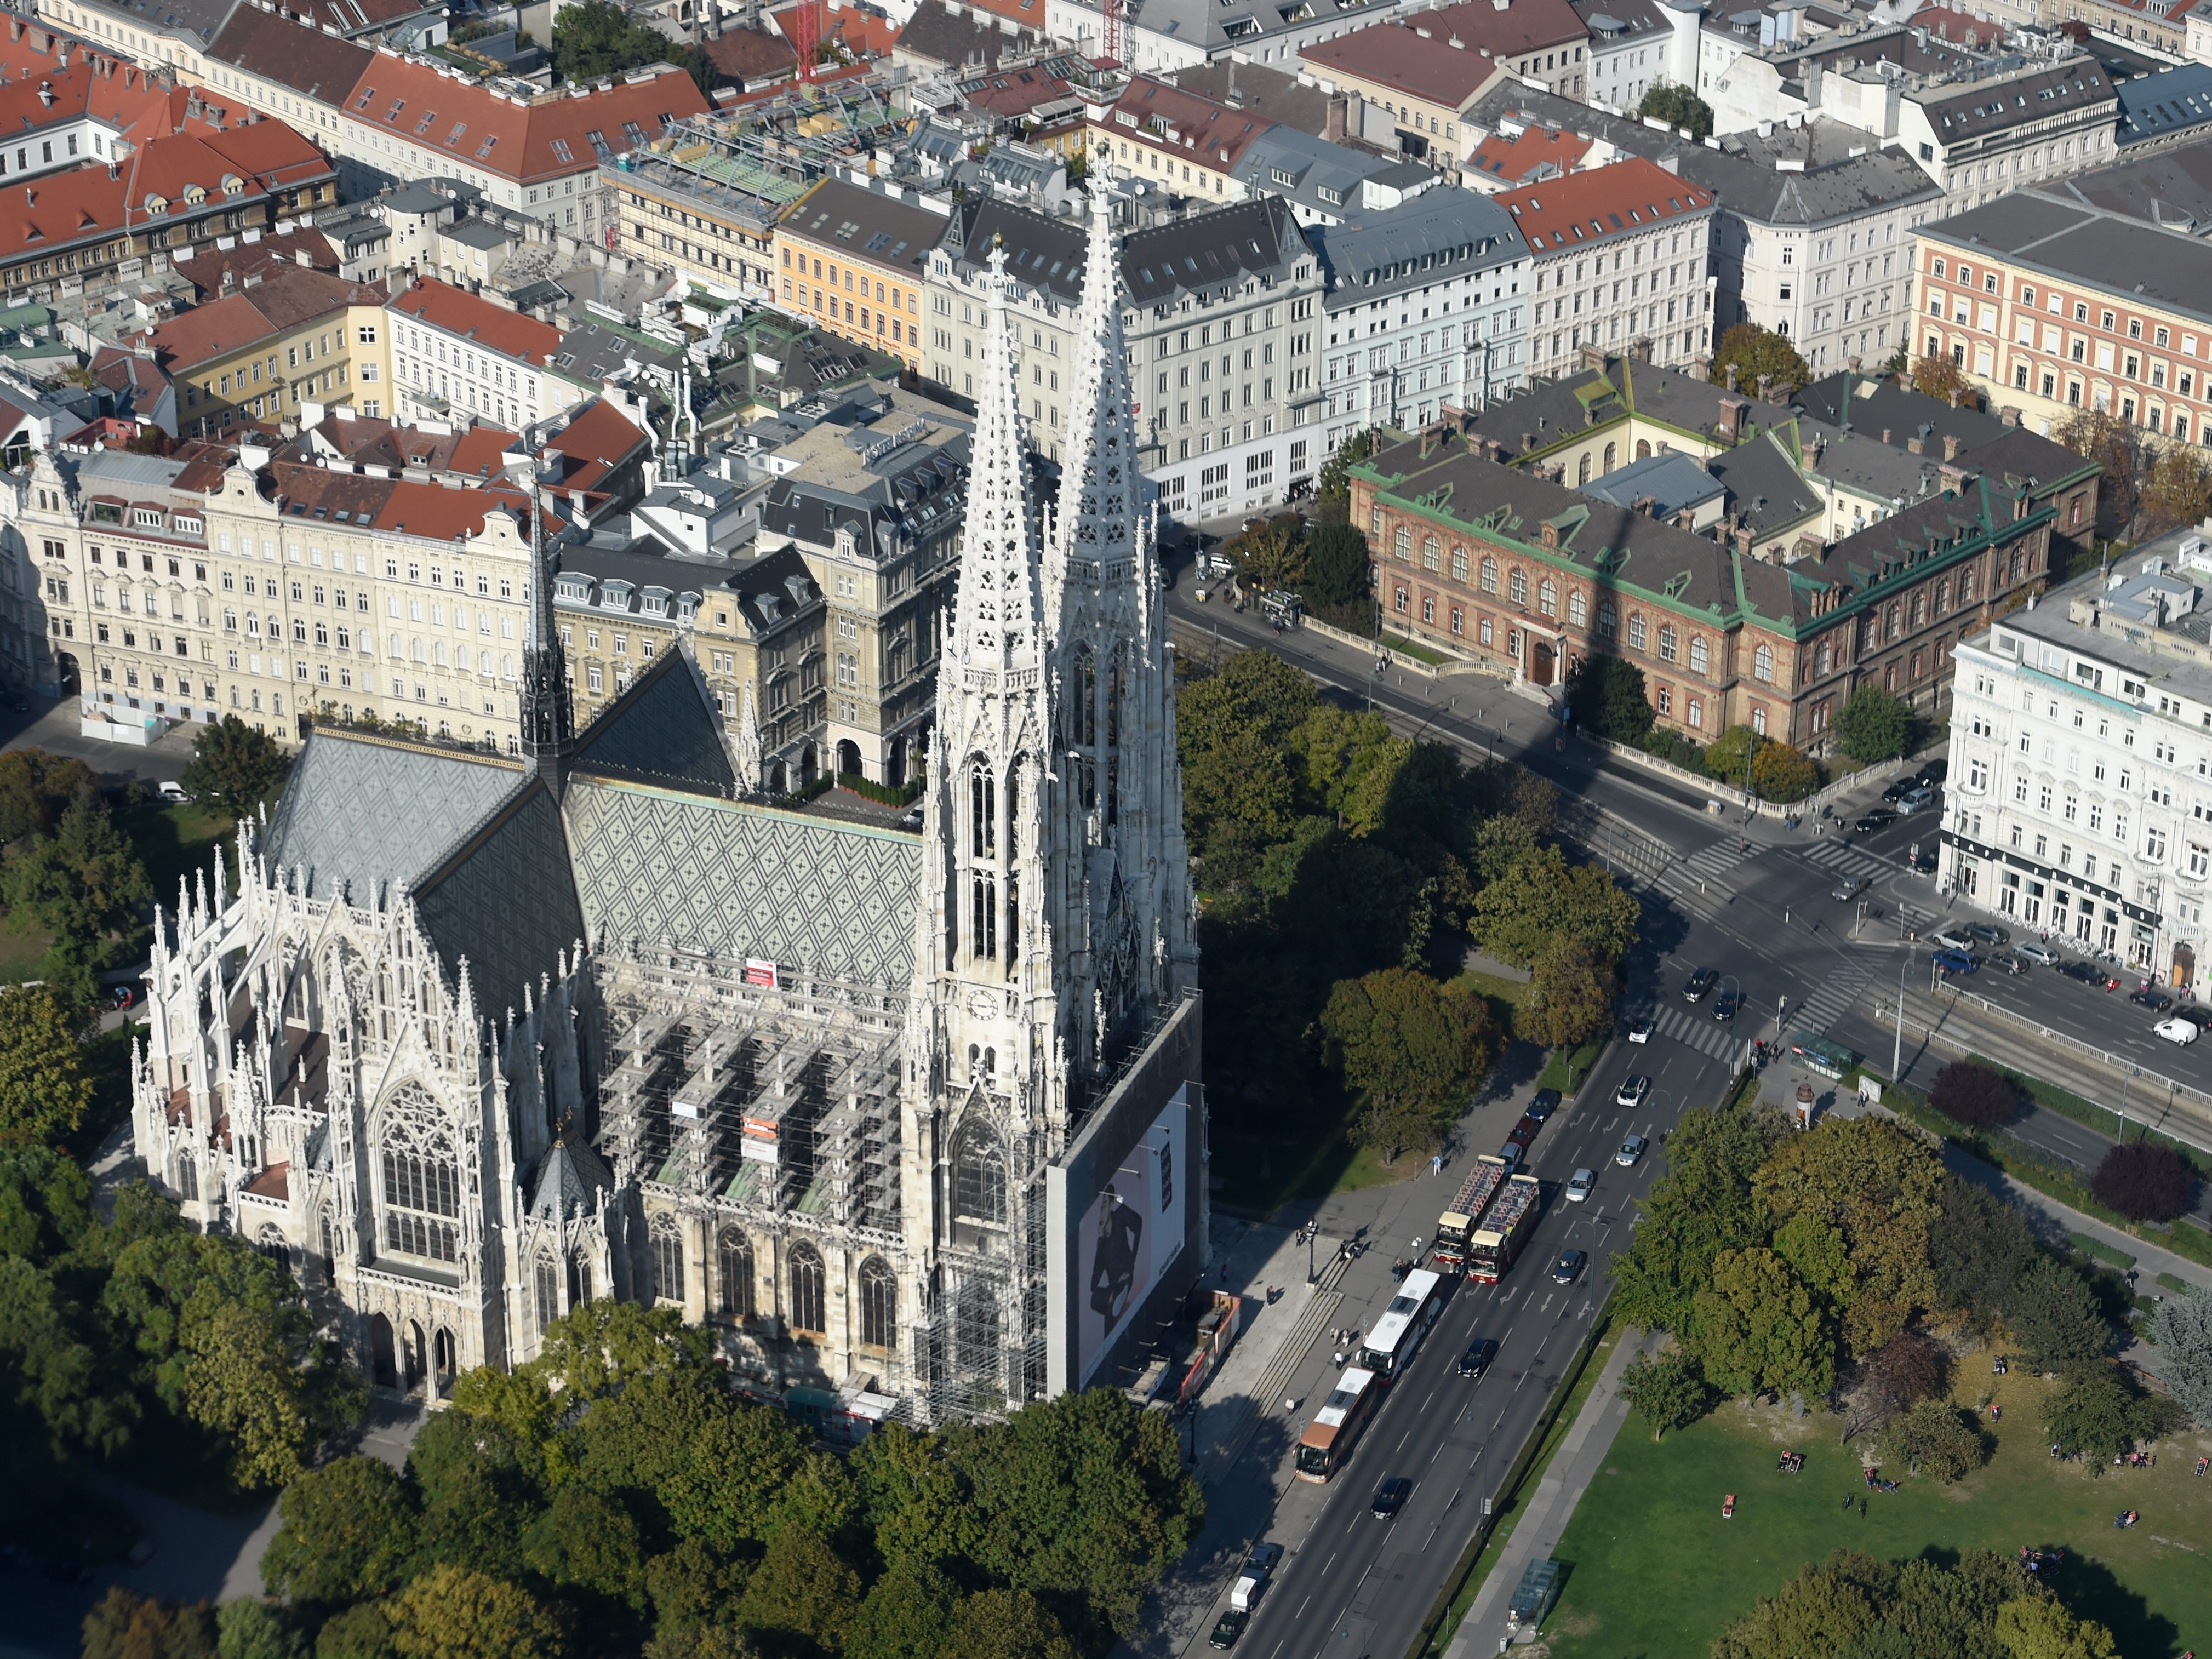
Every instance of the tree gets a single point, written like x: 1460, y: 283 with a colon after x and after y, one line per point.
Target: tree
x: 1758, y: 1329
x: 2117, y: 447
x: 1007, y: 1624
x: 1828, y: 1608
x: 1874, y: 724
x: 1332, y: 488
x: 1973, y: 1095
x: 592, y: 1547
x: 1606, y: 695
x: 44, y: 1089
x: 1542, y: 897
x: 2144, y: 1181
x: 86, y: 884
x: 1569, y: 995
x: 35, y: 788
x: 1780, y: 772
x: 1754, y: 351
x: 1233, y: 732
x: 1936, y: 1439
x: 45, y: 1199
x: 344, y: 1533
x: 235, y: 766
x: 1270, y: 554
x: 248, y: 1627
x: 1702, y: 1205
x: 1413, y: 1048
x: 1668, y: 1391
x: 1939, y: 377
x: 1728, y: 755
x: 1977, y: 1250
x: 2038, y: 1627
x: 2177, y: 490
x: 2095, y: 1412
x: 450, y: 1613
x: 1907, y: 1369
x: 596, y: 38
x: 1680, y: 108
x: 363, y: 1631
x: 693, y: 1587
x: 1337, y: 564
x: 802, y: 1588
x: 239, y: 1382
x: 2182, y: 1332
x: 2055, y: 1316
x: 126, y: 1624
x: 907, y: 1614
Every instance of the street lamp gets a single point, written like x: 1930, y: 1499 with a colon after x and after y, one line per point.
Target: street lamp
x: 1897, y: 1049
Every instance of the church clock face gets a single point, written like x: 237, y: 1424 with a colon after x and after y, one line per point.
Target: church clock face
x: 981, y: 1005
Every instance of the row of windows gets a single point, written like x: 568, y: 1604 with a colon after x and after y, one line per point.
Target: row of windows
x: 2107, y: 319
x: 734, y: 1283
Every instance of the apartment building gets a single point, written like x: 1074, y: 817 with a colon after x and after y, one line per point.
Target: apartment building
x: 2076, y: 797
x: 457, y: 355
x: 281, y: 65
x: 1630, y: 43
x: 851, y: 260
x: 1423, y: 73
x: 2011, y: 129
x: 875, y: 510
x: 1618, y: 255
x: 2053, y: 305
x: 1426, y: 309
x: 1186, y: 145
x: 264, y: 348
x: 704, y: 210
x: 62, y: 105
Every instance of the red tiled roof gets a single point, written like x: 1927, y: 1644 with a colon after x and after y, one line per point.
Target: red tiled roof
x: 1957, y: 27
x: 1514, y: 158
x: 430, y: 110
x: 480, y: 451
x: 445, y: 515
x: 274, y: 1181
x: 864, y: 35
x: 1168, y: 119
x: 473, y: 318
x: 594, y: 444
x: 1437, y: 55
x: 1627, y: 196
x: 262, y: 254
x: 287, y: 297
x: 753, y: 56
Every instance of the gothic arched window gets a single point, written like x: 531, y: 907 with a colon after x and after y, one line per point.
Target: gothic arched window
x: 982, y: 809
x: 733, y: 1272
x: 879, y: 1304
x: 546, y: 1285
x: 422, y: 1178
x: 979, y: 1176
x: 667, y: 1260
x: 188, y: 1179
x: 807, y: 1300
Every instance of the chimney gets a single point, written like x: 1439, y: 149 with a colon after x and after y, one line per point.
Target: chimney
x: 1429, y: 437
x: 1640, y: 348
x: 1764, y: 380
x: 2009, y: 415
x: 1332, y: 125
x: 1951, y: 447
x: 1528, y: 442
x: 1885, y: 434
x: 1854, y: 365
x: 1912, y: 444
x: 1644, y: 506
x: 1743, y: 539
x: 1732, y: 373
x: 1954, y: 396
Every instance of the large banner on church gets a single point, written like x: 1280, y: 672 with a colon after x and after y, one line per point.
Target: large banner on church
x: 1131, y: 1233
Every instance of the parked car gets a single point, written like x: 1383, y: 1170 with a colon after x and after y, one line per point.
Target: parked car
x: 1579, y: 1184
x: 2150, y: 997
x: 1228, y: 1628
x: 1956, y: 962
x: 1568, y: 1267
x: 170, y: 790
x: 2178, y: 1029
x: 1523, y: 1133
x: 1632, y: 1150
x: 1259, y: 1571
x: 1726, y: 1004
x: 2200, y: 1018
x: 1849, y: 889
x: 1921, y: 860
x: 2087, y: 973
x: 1897, y: 789
x: 1631, y: 1093
x: 1391, y: 1496
x: 1700, y: 983
x: 1934, y: 772
x: 1512, y: 1152
x: 1916, y: 800
x: 1983, y: 933
x: 1476, y: 1360
x: 1542, y: 1104
x: 1880, y: 818
x: 1639, y: 1028
x: 2035, y: 950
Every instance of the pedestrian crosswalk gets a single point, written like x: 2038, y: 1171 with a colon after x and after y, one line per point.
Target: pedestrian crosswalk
x: 1843, y: 859
x: 1827, y: 1005
x: 1696, y: 1028
x: 1708, y: 863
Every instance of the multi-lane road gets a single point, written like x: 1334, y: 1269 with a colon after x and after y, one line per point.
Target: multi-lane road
x: 1752, y: 901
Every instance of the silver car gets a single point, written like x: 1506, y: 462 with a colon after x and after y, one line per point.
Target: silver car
x: 2035, y: 950
x: 1630, y: 1150
x: 1579, y: 1184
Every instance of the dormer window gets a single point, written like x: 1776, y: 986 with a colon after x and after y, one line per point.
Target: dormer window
x: 146, y: 518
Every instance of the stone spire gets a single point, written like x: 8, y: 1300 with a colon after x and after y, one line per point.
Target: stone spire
x: 997, y: 616
x: 549, y: 720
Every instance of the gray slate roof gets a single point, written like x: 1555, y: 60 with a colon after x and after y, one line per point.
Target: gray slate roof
x: 1210, y: 252
x: 1673, y: 481
x: 661, y: 733
x: 2161, y: 105
x: 2169, y: 187
x: 505, y: 902
x: 1320, y: 176
x: 1842, y: 174
x: 1439, y: 234
x: 2104, y: 250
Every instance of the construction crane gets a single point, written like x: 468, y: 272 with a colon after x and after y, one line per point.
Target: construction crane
x: 805, y: 29
x: 1110, y: 37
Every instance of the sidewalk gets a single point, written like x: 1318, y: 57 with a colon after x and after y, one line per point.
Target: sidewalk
x: 1544, y: 1522
x: 1250, y: 1381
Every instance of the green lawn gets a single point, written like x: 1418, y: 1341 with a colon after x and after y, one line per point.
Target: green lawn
x: 176, y: 840
x: 1655, y: 1573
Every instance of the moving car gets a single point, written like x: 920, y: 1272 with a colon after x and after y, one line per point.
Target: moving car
x: 1726, y: 1004
x: 2200, y: 1018
x: 1228, y: 1628
x: 1258, y: 1573
x: 1984, y: 934
x: 1542, y: 1104
x: 1476, y: 1360
x: 2178, y: 1029
x: 1956, y: 962
x: 1630, y: 1150
x: 1631, y: 1093
x: 1568, y: 1267
x: 1881, y: 819
x: 1952, y: 939
x: 1850, y: 889
x: 171, y: 790
x: 1916, y: 800
x: 1639, y: 1028
x: 2150, y: 997
x: 1700, y: 983
x: 1579, y: 1184
x: 2087, y: 973
x: 2035, y: 950
x: 1391, y: 1496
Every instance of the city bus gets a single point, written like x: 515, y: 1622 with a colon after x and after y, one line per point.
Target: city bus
x: 1512, y: 1214
x: 1334, y: 1430
x: 1397, y: 1335
x: 1457, y: 1223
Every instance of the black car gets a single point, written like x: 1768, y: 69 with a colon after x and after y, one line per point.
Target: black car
x: 1568, y: 1267
x: 1700, y: 983
x: 1391, y: 1496
x: 1476, y: 1360
x: 1228, y: 1627
x: 2200, y: 1018
x: 1988, y: 933
x: 1899, y: 790
x: 2083, y: 971
x: 1921, y: 861
x: 1542, y: 1104
x: 1725, y: 1005
x: 1850, y: 888
x: 1880, y: 818
x: 2150, y: 997
x: 1933, y: 772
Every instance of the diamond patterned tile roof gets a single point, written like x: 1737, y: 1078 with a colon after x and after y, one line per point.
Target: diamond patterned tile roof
x: 663, y: 731
x: 569, y: 1181
x: 365, y: 811
x: 835, y: 899
x: 504, y: 899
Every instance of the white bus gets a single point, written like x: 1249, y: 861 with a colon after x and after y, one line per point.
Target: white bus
x: 1397, y: 1335
x: 1328, y: 1439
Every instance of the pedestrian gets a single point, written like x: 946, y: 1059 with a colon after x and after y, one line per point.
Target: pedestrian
x: 1862, y: 1509
x: 1339, y: 1359
x: 1437, y: 1164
